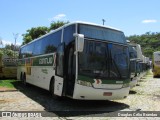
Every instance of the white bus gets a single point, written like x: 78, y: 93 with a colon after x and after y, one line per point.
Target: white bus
x: 139, y: 62
x: 133, y: 65
x: 156, y: 64
x: 79, y: 60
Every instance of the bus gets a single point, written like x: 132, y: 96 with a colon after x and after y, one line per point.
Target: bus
x: 139, y: 65
x: 79, y: 60
x: 8, y: 67
x: 133, y: 65
x: 156, y: 64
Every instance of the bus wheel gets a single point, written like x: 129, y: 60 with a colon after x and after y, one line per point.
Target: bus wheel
x: 24, y: 79
x: 52, y: 90
x: 21, y: 77
x: 154, y: 76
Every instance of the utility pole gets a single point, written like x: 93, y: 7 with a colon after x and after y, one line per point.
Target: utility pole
x: 15, y: 38
x: 1, y: 43
x: 103, y: 20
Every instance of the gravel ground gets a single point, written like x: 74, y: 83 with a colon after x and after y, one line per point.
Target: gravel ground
x: 144, y: 97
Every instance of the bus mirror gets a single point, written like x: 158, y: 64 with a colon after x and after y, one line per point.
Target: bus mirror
x: 80, y: 42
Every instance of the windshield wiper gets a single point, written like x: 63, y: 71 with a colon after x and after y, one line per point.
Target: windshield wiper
x: 116, y: 67
x: 112, y: 61
x: 107, y: 60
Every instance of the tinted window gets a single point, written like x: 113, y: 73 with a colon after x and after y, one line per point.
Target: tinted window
x: 38, y: 47
x: 23, y: 52
x: 102, y: 33
x: 51, y: 42
x: 48, y: 44
x: 104, y: 60
x: 132, y: 52
x: 29, y: 50
x: 59, y: 60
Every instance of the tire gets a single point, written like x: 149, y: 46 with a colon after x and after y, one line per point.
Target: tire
x: 52, y: 90
x: 21, y: 77
x: 24, y: 79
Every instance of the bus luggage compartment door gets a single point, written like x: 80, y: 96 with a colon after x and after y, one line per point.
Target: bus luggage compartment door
x: 58, y: 86
x: 59, y: 75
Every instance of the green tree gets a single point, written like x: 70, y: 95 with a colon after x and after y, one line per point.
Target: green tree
x: 1, y: 54
x: 12, y: 47
x: 55, y: 25
x: 8, y: 52
x: 34, y: 33
x: 149, y: 42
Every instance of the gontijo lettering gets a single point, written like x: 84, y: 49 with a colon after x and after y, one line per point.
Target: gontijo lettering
x: 46, y: 60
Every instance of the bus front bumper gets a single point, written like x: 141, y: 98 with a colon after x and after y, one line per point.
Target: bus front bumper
x: 133, y: 82
x: 89, y: 93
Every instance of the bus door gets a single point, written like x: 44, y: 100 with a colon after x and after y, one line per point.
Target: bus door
x: 70, y: 69
x: 59, y: 75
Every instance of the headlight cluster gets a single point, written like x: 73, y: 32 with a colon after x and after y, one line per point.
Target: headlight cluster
x: 84, y: 83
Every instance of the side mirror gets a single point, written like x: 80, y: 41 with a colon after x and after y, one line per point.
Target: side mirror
x: 80, y: 42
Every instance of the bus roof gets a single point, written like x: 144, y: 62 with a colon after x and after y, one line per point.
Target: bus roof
x: 93, y: 24
x: 77, y: 22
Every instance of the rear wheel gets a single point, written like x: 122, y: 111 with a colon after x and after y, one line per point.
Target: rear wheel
x: 21, y: 77
x: 24, y: 79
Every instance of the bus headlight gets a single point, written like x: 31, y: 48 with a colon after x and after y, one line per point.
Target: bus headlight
x: 125, y: 85
x: 84, y: 83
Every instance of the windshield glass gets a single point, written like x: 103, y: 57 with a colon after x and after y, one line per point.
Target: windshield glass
x: 104, y: 60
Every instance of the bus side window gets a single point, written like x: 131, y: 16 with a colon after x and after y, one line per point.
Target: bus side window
x: 59, y: 60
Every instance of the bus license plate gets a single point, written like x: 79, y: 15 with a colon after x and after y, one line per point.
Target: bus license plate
x: 107, y: 94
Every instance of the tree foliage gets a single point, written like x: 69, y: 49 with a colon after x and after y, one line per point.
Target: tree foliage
x: 150, y: 42
x: 55, y: 25
x: 1, y: 53
x: 36, y: 32
x: 10, y: 53
x: 12, y: 47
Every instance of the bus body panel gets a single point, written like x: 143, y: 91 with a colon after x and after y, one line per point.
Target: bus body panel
x: 133, y: 82
x: 156, y: 71
x: 89, y: 93
x: 38, y: 70
x: 156, y: 64
x: 20, y: 70
x: 40, y: 76
x: 58, y: 85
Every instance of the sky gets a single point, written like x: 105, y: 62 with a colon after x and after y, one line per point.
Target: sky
x: 133, y: 17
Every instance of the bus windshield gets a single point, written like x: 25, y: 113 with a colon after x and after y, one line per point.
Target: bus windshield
x: 157, y: 58
x: 104, y: 60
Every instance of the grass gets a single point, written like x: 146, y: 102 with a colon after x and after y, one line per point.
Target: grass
x: 7, y: 83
